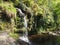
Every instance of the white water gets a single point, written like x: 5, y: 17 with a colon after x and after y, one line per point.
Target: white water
x: 24, y: 37
x: 25, y: 34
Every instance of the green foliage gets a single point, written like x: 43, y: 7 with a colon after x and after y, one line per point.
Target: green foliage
x: 48, y: 10
x: 8, y: 12
x: 42, y: 15
x: 56, y: 13
x: 5, y: 26
x: 14, y: 35
x: 8, y: 6
x: 15, y: 2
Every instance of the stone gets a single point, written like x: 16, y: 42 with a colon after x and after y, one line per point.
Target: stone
x: 5, y: 39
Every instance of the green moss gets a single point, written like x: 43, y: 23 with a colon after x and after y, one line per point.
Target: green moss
x: 14, y: 35
x: 5, y: 26
x: 8, y: 6
x: 9, y: 9
x: 16, y: 2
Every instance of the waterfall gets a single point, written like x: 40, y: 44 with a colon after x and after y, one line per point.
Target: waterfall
x: 25, y: 25
x: 24, y: 37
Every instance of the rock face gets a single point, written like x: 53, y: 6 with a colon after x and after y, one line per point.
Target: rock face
x: 5, y: 39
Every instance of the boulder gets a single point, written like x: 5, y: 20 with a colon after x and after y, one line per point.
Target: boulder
x: 5, y: 39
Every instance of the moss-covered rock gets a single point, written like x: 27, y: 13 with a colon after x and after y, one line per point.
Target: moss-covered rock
x: 8, y: 8
x: 7, y: 15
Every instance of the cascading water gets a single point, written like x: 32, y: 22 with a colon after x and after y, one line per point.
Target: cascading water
x: 24, y: 37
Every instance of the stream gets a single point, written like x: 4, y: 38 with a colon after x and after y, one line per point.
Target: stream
x: 24, y: 37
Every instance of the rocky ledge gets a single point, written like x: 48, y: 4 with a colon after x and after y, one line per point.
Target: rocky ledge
x: 5, y: 39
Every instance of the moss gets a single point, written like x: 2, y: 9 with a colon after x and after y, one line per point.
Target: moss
x: 16, y: 2
x: 5, y: 26
x: 8, y: 12
x: 8, y: 6
x: 14, y: 35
